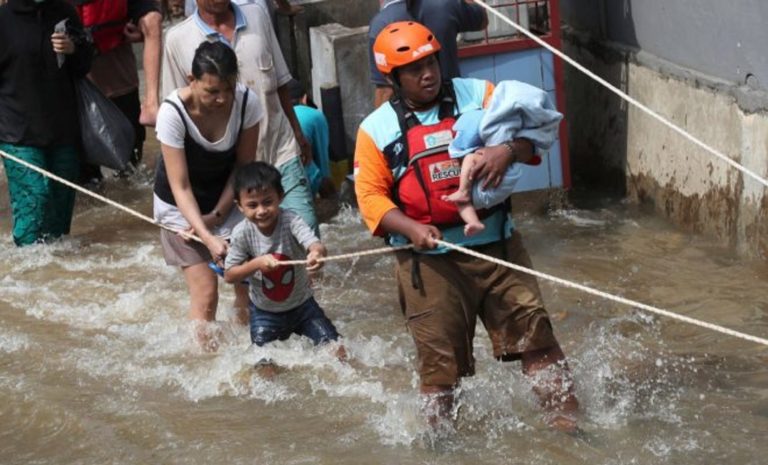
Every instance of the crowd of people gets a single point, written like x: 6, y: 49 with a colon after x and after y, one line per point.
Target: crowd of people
x: 244, y: 153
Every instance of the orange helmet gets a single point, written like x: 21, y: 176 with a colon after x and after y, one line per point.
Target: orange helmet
x: 401, y: 43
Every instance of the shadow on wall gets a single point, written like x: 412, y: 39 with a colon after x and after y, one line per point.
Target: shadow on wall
x: 597, y: 118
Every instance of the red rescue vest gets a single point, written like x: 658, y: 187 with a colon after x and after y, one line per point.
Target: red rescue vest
x: 105, y: 20
x: 430, y: 172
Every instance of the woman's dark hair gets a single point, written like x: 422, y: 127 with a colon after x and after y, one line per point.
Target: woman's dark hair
x: 217, y: 59
x: 257, y: 176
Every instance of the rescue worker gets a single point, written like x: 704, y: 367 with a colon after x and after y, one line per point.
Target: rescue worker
x: 402, y: 170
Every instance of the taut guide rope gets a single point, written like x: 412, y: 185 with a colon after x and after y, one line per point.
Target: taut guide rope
x: 97, y: 196
x: 605, y: 295
x: 382, y: 250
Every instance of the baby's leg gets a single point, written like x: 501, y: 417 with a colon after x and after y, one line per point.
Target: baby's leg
x: 465, y: 183
x: 469, y: 215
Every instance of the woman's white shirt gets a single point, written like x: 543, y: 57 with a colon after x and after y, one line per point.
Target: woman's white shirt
x: 171, y: 132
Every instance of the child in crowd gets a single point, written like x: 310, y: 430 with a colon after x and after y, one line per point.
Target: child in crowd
x: 281, y: 301
x: 516, y: 111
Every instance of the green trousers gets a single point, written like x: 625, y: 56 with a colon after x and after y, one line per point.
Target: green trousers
x: 41, y: 207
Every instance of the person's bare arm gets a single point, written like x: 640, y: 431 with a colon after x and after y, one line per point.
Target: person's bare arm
x: 315, y: 250
x: 151, y: 26
x: 287, y: 105
x: 421, y: 235
x: 237, y: 273
x: 495, y: 160
x: 178, y: 177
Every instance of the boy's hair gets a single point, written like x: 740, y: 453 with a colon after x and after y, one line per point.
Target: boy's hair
x: 257, y: 176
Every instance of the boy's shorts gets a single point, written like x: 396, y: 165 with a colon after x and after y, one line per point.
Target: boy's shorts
x: 456, y: 290
x: 308, y: 319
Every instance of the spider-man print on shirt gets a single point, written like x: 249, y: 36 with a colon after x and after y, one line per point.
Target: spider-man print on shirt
x: 278, y: 284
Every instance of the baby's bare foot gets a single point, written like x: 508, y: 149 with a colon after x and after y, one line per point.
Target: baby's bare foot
x: 470, y: 229
x: 460, y: 196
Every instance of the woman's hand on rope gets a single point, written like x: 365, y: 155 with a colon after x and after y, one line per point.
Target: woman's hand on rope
x: 218, y: 248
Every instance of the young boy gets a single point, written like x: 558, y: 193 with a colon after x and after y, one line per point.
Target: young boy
x: 281, y: 301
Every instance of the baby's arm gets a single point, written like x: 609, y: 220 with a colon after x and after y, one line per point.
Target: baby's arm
x: 315, y: 250
x: 237, y: 273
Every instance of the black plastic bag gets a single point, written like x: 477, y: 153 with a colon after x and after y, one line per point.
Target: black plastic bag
x: 107, y: 134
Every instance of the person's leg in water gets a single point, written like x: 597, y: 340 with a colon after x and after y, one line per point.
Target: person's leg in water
x: 315, y: 325
x: 241, y: 303
x: 34, y: 206
x: 266, y: 327
x: 463, y: 197
x: 520, y: 329
x: 203, y: 284
x: 553, y: 385
x: 65, y: 163
x: 437, y: 404
x: 438, y: 312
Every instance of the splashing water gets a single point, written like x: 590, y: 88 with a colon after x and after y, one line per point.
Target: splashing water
x: 96, y: 349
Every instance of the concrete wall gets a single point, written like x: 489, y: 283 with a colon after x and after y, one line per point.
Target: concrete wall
x: 724, y: 40
x: 340, y: 57
x: 349, y: 13
x: 616, y: 144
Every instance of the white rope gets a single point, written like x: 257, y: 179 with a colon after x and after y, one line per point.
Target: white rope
x: 97, y: 196
x: 382, y: 250
x: 626, y: 97
x: 606, y: 295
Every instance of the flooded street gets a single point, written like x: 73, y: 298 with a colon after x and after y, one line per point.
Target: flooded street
x: 97, y: 362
